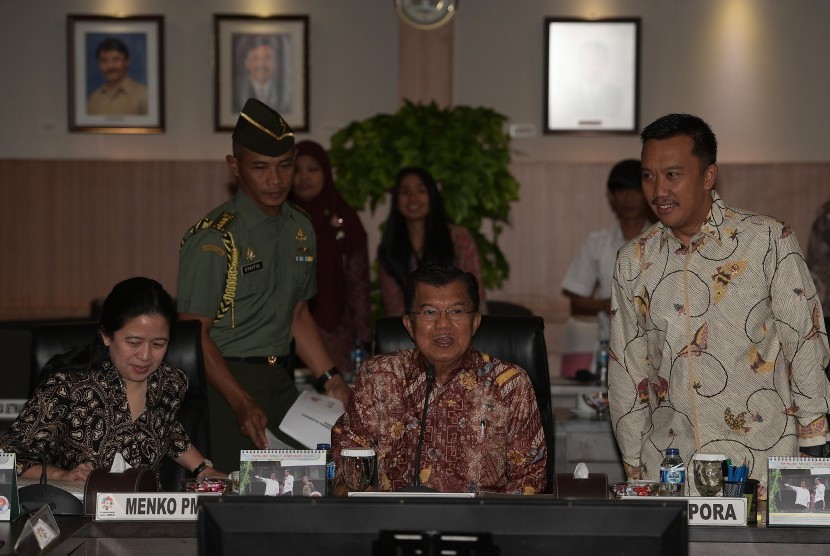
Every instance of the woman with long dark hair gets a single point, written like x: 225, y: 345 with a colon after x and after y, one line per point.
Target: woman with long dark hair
x: 114, y: 396
x: 418, y: 232
x: 341, y: 306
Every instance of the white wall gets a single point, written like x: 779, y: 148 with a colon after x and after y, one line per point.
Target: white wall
x: 756, y: 69
x: 353, y: 48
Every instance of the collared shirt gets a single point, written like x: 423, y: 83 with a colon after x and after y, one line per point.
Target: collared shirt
x: 818, y: 256
x: 129, y: 98
x: 483, y: 430
x: 275, y: 271
x: 272, y: 486
x: 719, y: 347
x: 802, y: 495
x: 820, y: 492
x: 593, y: 267
x: 76, y: 417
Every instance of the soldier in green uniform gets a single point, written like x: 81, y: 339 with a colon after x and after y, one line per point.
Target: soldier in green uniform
x: 246, y: 272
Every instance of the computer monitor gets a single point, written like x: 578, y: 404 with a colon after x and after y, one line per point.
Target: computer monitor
x: 516, y: 525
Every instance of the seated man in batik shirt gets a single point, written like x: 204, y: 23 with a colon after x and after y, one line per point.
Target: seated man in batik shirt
x: 480, y: 430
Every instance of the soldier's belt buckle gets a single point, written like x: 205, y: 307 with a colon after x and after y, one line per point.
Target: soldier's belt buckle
x: 272, y: 360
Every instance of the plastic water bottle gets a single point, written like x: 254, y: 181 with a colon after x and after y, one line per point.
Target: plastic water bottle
x: 602, y: 363
x: 329, y: 468
x: 672, y: 474
x: 358, y: 354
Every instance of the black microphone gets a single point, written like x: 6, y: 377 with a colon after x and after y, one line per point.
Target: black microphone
x: 417, y: 486
x: 41, y: 459
x: 32, y: 497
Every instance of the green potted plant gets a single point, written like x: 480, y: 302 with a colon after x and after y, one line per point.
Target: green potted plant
x: 464, y: 148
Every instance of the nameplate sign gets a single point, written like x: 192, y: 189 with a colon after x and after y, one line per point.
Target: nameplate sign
x: 709, y: 510
x: 10, y: 408
x: 148, y: 506
x: 717, y: 511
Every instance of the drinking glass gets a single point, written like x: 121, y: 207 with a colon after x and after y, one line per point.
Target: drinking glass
x: 708, y: 473
x: 599, y: 401
x: 358, y: 467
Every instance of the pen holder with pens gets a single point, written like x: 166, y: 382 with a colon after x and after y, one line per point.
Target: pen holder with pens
x: 733, y: 489
x: 734, y: 480
x: 749, y: 490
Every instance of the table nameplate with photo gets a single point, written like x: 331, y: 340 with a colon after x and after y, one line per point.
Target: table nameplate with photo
x: 796, y: 492
x: 9, y: 505
x: 282, y: 472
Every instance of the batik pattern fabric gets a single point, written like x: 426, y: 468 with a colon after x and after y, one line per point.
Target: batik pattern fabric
x: 76, y: 417
x: 483, y: 430
x: 818, y: 255
x: 718, y: 347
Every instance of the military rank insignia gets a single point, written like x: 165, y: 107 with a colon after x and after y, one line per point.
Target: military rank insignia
x: 303, y: 255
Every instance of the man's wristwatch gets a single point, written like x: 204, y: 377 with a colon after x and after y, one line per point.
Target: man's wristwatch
x: 325, y: 377
x: 201, y: 467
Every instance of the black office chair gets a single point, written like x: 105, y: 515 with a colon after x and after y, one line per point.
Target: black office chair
x: 183, y: 352
x: 507, y: 308
x: 517, y: 339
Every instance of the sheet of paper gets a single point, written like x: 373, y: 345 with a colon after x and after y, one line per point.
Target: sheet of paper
x: 75, y: 488
x: 275, y: 443
x: 310, y: 418
x: 119, y: 464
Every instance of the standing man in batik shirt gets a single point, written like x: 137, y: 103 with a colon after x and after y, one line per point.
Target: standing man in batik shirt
x: 717, y: 337
x: 482, y: 431
x: 246, y: 272
x: 818, y: 255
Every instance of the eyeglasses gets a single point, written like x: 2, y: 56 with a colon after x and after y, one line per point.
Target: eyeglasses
x: 455, y: 314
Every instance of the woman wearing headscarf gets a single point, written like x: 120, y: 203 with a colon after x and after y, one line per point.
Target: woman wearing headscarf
x: 341, y: 306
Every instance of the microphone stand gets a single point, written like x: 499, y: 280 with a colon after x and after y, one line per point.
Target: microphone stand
x: 61, y: 502
x: 416, y: 485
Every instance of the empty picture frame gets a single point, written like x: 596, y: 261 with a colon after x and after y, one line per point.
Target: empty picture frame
x: 591, y: 75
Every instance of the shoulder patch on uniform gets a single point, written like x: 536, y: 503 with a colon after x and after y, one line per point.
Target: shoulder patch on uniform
x: 299, y: 209
x: 211, y: 248
x: 223, y: 222
x: 198, y: 226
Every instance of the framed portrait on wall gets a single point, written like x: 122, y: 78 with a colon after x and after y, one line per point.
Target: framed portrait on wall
x: 591, y: 75
x: 115, y: 71
x: 265, y: 58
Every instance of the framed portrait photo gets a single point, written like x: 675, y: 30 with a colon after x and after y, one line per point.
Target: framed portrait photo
x: 264, y: 58
x: 116, y: 73
x: 591, y: 75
